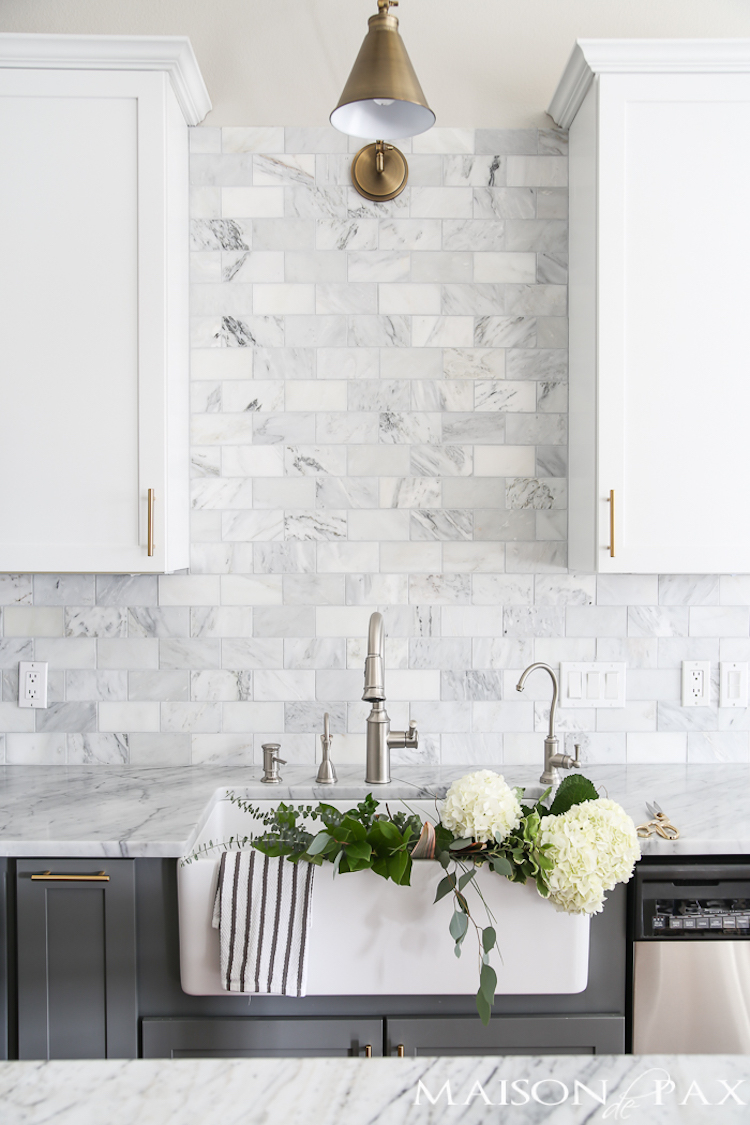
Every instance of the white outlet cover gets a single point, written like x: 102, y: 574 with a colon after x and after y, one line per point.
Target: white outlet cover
x: 32, y: 683
x: 597, y: 684
x: 696, y: 683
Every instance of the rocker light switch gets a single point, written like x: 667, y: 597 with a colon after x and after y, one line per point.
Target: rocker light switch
x: 733, y: 684
x: 592, y: 685
x: 32, y: 683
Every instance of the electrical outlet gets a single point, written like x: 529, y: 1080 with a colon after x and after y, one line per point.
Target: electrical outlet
x: 732, y: 684
x: 32, y: 683
x: 696, y: 683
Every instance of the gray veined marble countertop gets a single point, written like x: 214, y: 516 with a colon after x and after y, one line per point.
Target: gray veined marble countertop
x: 700, y: 1088
x: 114, y: 811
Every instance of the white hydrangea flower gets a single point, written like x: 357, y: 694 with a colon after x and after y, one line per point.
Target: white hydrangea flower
x: 480, y: 804
x: 594, y: 846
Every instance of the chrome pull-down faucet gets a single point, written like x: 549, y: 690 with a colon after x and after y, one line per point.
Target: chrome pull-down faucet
x: 553, y: 761
x: 380, y: 739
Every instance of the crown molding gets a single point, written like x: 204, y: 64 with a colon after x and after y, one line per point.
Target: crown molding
x: 641, y: 56
x: 171, y: 53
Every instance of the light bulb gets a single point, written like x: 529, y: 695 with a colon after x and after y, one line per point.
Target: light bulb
x: 383, y: 101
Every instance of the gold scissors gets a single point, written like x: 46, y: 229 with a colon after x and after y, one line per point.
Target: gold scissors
x: 659, y: 823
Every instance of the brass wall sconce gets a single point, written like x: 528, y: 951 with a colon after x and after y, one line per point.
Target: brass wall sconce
x: 382, y: 98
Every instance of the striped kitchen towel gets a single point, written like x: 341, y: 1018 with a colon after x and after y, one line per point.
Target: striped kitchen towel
x: 263, y: 911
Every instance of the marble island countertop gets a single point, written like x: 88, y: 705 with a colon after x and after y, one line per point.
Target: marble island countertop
x: 115, y: 811
x: 516, y: 1090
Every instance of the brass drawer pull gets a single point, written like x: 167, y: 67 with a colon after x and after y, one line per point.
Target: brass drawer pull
x: 151, y: 502
x: 612, y: 523
x: 368, y: 1050
x: 400, y: 1050
x: 48, y: 877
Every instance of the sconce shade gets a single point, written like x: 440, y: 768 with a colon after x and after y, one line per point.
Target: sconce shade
x: 382, y: 96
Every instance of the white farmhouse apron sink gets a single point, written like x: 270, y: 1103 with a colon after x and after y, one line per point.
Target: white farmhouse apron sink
x: 370, y: 937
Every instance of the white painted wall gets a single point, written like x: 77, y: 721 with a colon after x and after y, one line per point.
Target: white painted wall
x: 482, y: 63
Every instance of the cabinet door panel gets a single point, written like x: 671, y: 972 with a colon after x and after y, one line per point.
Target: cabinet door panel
x: 76, y: 961
x: 261, y: 1038
x: 674, y: 392
x: 92, y: 321
x: 507, y: 1035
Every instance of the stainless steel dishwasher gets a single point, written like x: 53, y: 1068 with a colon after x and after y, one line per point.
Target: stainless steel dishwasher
x: 691, y: 972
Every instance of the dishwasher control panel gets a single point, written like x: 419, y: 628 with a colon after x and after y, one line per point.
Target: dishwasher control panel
x: 696, y: 901
x: 714, y: 916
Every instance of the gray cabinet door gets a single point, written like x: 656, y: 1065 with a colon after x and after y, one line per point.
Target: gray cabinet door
x: 507, y: 1035
x: 76, y: 959
x: 261, y: 1038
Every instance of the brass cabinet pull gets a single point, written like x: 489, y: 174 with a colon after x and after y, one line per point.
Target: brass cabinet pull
x: 400, y: 1050
x: 48, y: 877
x: 368, y: 1050
x: 151, y: 502
x: 612, y: 523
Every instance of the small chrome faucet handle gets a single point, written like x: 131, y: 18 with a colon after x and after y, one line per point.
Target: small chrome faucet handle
x: 271, y: 760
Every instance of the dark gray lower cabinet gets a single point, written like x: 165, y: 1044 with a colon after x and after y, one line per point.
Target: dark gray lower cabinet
x: 76, y: 959
x: 261, y: 1038
x: 507, y: 1035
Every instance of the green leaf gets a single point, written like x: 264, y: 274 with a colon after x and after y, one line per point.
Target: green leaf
x: 457, y: 949
x: 489, y: 937
x: 444, y: 887
x: 502, y: 866
x: 359, y: 851
x: 397, y: 867
x: 444, y: 859
x: 459, y: 845
x: 385, y: 834
x: 484, y: 1009
x: 380, y: 866
x: 488, y: 982
x: 466, y: 878
x: 574, y: 790
x: 318, y: 843
x: 459, y: 924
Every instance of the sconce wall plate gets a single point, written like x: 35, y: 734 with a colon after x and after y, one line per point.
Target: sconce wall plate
x: 375, y: 184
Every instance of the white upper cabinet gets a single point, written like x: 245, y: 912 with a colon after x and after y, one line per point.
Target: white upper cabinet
x: 659, y: 304
x: 94, y: 301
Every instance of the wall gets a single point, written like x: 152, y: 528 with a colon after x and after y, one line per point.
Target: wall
x: 480, y: 62
x: 379, y: 397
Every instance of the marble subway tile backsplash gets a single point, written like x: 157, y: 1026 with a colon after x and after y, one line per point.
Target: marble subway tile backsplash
x: 379, y: 421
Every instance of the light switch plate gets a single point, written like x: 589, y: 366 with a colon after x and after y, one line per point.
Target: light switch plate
x: 732, y: 684
x: 696, y: 683
x: 32, y: 683
x: 598, y: 684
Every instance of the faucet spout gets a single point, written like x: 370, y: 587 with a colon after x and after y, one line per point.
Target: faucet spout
x: 375, y: 661
x: 553, y: 762
x: 553, y: 708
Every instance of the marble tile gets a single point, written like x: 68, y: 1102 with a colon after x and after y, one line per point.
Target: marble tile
x: 410, y: 234
x: 479, y: 171
x: 97, y: 749
x: 688, y: 589
x: 504, y: 203
x: 345, y: 234
x: 244, y: 139
x: 219, y: 686
x: 83, y: 686
x: 442, y: 524
x: 173, y: 686
x: 657, y: 621
x: 474, y: 234
x: 505, y: 331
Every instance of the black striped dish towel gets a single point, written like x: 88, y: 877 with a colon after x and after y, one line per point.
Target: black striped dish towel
x: 263, y: 910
